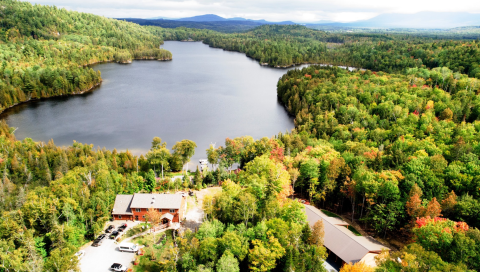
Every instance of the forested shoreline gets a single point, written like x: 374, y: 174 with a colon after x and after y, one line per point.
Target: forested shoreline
x: 285, y: 46
x: 46, y: 51
x: 395, y: 147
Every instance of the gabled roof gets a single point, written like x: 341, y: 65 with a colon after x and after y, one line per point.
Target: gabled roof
x: 341, y: 241
x: 122, y: 205
x: 169, y: 216
x: 157, y: 201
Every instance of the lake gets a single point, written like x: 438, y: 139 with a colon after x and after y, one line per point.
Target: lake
x: 203, y: 94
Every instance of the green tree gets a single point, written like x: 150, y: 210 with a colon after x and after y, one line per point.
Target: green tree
x: 213, y: 156
x: 263, y: 255
x: 228, y: 263
x: 235, y: 244
x: 150, y: 181
x: 208, y: 250
x: 185, y: 149
x: 197, y: 179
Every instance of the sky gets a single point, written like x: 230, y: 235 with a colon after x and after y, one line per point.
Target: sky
x: 270, y: 10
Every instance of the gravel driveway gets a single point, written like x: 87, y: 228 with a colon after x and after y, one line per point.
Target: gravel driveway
x: 101, y: 258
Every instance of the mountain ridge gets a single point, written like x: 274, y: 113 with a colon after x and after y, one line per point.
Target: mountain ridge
x: 425, y: 20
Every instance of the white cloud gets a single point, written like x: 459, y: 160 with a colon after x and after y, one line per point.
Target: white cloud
x: 273, y: 10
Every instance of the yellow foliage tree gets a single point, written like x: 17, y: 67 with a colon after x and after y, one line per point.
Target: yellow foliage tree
x: 357, y: 267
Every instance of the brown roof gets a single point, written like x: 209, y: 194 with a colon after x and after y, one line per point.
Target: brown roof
x: 122, y: 205
x: 341, y: 241
x: 157, y: 201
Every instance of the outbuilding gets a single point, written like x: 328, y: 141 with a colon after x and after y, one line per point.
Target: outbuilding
x: 343, y: 244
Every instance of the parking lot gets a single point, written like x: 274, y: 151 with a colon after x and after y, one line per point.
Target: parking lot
x: 102, y: 257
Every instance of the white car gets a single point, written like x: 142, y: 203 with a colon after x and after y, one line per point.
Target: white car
x: 80, y: 254
x: 128, y: 247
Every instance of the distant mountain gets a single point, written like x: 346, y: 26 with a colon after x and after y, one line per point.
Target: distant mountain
x: 216, y: 18
x: 160, y: 18
x: 204, y: 18
x: 423, y: 20
x: 222, y: 26
x: 207, y: 21
x: 432, y: 20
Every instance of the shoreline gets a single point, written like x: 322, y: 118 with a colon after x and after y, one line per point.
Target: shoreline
x: 2, y: 111
x: 38, y: 99
x: 266, y: 64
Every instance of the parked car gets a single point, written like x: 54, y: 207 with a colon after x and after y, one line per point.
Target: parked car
x: 128, y: 247
x: 122, y: 227
x: 80, y: 254
x: 101, y: 236
x: 97, y: 242
x: 109, y: 229
x: 114, y: 234
x: 118, y: 267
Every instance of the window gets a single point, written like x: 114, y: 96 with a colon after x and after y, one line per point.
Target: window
x: 143, y: 216
x: 172, y: 210
x: 159, y: 210
x: 119, y: 217
x: 138, y: 210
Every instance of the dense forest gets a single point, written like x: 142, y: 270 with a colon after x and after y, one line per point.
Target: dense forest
x: 282, y: 46
x: 220, y: 26
x: 402, y: 150
x: 44, y: 50
x: 53, y: 200
x: 395, y: 147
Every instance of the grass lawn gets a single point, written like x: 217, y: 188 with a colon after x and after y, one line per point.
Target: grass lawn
x: 146, y: 262
x: 331, y: 214
x: 352, y: 229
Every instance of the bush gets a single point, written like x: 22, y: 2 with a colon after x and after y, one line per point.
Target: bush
x: 137, y: 229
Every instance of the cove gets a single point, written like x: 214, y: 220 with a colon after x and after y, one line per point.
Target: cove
x: 203, y: 94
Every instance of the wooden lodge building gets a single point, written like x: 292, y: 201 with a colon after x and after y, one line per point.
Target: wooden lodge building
x: 134, y: 207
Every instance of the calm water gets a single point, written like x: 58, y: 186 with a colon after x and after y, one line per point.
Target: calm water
x: 204, y: 95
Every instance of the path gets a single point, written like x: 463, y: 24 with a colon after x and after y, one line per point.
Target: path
x: 194, y: 217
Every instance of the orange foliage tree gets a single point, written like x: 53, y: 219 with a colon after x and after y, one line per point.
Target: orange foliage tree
x: 153, y: 216
x: 318, y: 233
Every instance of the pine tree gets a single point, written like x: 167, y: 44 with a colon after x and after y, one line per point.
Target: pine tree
x: 197, y: 179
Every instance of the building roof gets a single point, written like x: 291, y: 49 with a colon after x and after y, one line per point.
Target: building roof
x: 122, y: 205
x: 169, y: 216
x: 341, y: 241
x: 157, y: 201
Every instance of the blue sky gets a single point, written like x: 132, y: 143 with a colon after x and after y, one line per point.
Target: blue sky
x: 272, y: 10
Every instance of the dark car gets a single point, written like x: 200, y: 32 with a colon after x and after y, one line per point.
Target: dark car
x: 114, y: 234
x: 118, y: 267
x: 97, y: 242
x: 122, y: 227
x: 101, y: 236
x: 110, y: 228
